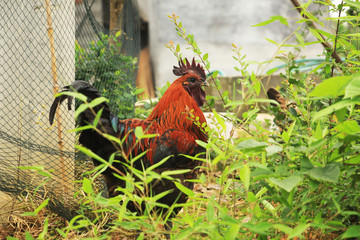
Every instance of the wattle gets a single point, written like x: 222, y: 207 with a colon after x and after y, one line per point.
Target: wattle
x: 198, y: 95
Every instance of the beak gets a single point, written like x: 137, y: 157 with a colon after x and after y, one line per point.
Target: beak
x: 205, y: 83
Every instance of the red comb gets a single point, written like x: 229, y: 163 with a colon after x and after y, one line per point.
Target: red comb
x: 189, y: 68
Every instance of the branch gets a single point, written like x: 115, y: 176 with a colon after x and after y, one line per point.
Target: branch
x: 325, y: 44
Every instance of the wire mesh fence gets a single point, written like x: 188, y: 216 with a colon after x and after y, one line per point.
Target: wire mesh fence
x: 44, y: 45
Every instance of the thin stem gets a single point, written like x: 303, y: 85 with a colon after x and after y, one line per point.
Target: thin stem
x: 336, y: 37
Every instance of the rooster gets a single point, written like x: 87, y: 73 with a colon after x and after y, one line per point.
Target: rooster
x: 176, y: 121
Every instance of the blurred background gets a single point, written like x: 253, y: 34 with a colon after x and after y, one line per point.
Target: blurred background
x: 216, y: 26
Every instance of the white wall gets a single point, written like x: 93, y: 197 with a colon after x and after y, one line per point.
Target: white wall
x: 216, y: 25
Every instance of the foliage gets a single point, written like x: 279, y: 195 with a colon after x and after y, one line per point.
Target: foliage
x: 300, y: 180
x: 304, y: 178
x: 110, y: 71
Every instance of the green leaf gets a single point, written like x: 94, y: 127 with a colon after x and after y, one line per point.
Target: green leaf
x: 260, y: 228
x: 353, y: 3
x: 39, y: 170
x: 210, y: 212
x: 220, y: 120
x: 118, y: 33
x: 262, y: 100
x: 42, y: 205
x: 298, y: 230
x: 28, y: 214
x: 300, y: 38
x: 152, y: 167
x: 86, y: 185
x: 331, y: 87
x: 333, y: 108
x: 77, y: 95
x: 337, y: 205
x: 184, y: 189
x: 141, y: 236
x: 283, y: 228
x: 288, y: 183
x: 341, y: 114
x: 205, y: 57
x: 336, y: 224
x: 272, y: 41
x: 281, y: 19
x: 257, y: 87
x: 28, y: 236
x: 97, y: 101
x: 175, y: 172
x: 92, y: 104
x: 307, y: 4
x: 262, y: 171
x: 354, y: 160
x: 267, y: 205
x: 350, y: 127
x: 251, y: 197
x: 80, y: 109
x: 45, y: 229
x: 309, y: 15
x: 291, y: 128
x: 353, y: 88
x: 97, y: 118
x: 329, y: 173
x: 11, y: 238
x: 215, y: 73
x: 271, y: 71
x: 261, y: 192
x: 138, y: 91
x: 316, y: 34
x: 245, y: 176
x: 161, y: 195
x: 232, y: 232
x: 352, y: 232
x: 305, y: 165
x: 251, y: 145
x: 79, y: 129
x: 139, y: 133
x: 285, y: 136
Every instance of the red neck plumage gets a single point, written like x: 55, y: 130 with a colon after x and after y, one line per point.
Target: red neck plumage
x: 178, y: 109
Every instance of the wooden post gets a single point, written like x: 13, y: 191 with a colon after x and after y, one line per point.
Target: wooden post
x: 116, y: 7
x: 50, y: 32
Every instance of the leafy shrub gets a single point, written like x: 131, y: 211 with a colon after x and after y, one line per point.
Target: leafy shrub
x: 302, y: 180
x: 110, y: 71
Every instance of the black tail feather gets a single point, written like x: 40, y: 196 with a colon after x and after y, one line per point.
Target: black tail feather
x: 77, y: 86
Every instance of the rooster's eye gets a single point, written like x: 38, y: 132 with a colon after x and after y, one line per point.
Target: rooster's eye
x: 192, y: 80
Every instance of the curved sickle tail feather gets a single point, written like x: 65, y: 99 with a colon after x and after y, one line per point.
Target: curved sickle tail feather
x: 91, y: 139
x: 81, y: 87
x: 108, y: 123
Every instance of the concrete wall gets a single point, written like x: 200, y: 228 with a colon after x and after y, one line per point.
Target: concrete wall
x: 26, y: 89
x: 216, y: 25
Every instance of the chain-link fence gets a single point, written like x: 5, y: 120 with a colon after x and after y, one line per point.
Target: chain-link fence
x: 44, y: 45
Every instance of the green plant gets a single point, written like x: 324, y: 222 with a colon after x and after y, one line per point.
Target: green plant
x: 110, y: 71
x: 304, y: 179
